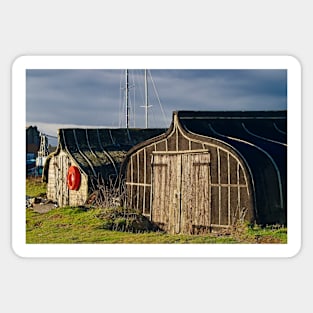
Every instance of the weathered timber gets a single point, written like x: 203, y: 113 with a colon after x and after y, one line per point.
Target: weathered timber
x: 208, y: 170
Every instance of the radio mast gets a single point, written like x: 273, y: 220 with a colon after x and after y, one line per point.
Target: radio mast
x: 126, y: 98
x: 146, y: 106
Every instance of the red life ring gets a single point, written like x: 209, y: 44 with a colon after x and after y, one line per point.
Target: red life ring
x: 73, y: 178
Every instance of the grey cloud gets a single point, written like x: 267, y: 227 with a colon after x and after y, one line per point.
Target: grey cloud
x: 95, y: 97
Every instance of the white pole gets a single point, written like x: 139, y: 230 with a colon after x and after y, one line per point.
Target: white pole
x: 126, y: 99
x: 146, y: 98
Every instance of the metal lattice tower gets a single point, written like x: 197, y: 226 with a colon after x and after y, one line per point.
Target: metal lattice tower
x: 43, y: 148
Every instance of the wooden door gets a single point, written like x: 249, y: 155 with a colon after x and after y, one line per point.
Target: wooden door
x: 180, y: 191
x: 62, y: 190
x: 195, y: 193
x: 166, y: 172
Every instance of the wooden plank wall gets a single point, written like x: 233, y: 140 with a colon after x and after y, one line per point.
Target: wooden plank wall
x: 57, y: 189
x: 223, y: 183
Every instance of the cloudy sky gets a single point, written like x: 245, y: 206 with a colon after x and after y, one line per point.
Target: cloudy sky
x: 96, y: 98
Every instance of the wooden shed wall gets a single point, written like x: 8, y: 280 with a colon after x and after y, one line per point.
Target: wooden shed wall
x: 154, y: 189
x: 57, y: 189
x: 265, y: 156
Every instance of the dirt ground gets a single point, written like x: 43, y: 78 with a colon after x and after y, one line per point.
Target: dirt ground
x: 40, y: 205
x: 43, y: 208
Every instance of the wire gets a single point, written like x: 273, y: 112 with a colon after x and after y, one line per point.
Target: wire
x: 121, y: 108
x: 157, y: 95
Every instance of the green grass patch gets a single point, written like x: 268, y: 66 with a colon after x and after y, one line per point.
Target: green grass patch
x: 268, y: 234
x: 80, y: 225
x: 35, y: 187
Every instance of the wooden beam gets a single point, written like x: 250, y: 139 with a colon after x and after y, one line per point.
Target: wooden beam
x: 181, y: 151
x: 219, y: 185
x: 140, y: 184
x: 228, y: 189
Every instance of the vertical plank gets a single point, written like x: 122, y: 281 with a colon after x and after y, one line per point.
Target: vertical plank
x: 209, y: 180
x: 161, y: 183
x: 177, y: 209
x: 67, y: 191
x: 132, y: 181
x: 152, y: 188
x: 58, y: 180
x: 228, y: 189
x: 238, y: 189
x: 158, y: 207
x: 181, y: 191
x: 144, y: 181
x: 219, y: 184
x: 138, y: 181
x: 62, y: 180
x: 195, y: 203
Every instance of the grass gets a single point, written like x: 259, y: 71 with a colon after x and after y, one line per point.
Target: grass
x: 77, y: 225
x: 74, y: 225
x: 81, y: 225
x: 35, y: 187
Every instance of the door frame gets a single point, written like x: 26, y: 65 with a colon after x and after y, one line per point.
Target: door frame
x: 179, y: 173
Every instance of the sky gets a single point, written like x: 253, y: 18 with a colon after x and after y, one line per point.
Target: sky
x: 96, y: 98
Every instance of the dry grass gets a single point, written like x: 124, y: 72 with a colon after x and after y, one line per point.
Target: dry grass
x: 80, y: 225
x: 100, y: 225
x: 35, y: 187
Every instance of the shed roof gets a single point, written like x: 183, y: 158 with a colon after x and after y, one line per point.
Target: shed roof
x: 99, y: 151
x: 269, y: 125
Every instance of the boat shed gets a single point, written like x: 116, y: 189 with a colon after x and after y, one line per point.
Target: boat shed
x: 83, y: 156
x: 210, y: 170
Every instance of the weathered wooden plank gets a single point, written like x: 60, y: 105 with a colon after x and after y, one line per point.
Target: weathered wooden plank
x: 228, y: 189
x: 195, y: 192
x: 180, y: 152
x: 132, y: 180
x: 138, y: 184
x: 219, y: 185
x: 138, y: 180
x: 144, y: 181
x: 238, y: 188
x: 227, y: 185
x: 188, y: 189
